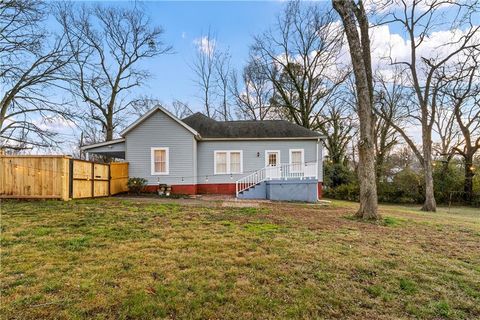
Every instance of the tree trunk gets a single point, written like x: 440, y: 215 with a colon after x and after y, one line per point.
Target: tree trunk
x: 468, y: 184
x: 379, y: 167
x: 430, y: 203
x: 109, y: 129
x: 348, y: 11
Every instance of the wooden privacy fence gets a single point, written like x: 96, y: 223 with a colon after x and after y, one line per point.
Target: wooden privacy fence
x: 60, y: 177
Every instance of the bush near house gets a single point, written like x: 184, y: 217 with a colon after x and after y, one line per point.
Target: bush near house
x: 136, y: 185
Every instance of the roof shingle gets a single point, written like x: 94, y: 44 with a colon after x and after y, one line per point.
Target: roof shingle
x: 209, y: 128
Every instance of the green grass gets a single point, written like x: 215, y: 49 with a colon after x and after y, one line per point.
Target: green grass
x: 124, y: 259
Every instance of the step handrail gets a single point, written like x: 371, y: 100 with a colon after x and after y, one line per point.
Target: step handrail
x: 251, y: 180
x: 283, y: 171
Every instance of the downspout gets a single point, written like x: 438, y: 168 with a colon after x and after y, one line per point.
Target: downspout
x: 318, y: 142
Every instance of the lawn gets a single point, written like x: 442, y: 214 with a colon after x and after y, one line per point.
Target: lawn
x: 128, y: 259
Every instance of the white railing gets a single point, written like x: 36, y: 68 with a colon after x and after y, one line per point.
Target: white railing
x: 284, y: 171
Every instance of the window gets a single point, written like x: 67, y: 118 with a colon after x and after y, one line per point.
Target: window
x: 272, y: 158
x: 235, y: 162
x: 221, y: 165
x: 228, y: 162
x: 296, y: 160
x: 159, y: 161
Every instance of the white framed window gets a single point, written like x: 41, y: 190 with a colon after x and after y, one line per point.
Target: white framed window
x: 297, y: 159
x: 228, y: 162
x: 159, y: 161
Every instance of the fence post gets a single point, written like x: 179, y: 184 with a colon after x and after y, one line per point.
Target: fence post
x: 93, y: 179
x: 70, y: 182
x: 109, y: 178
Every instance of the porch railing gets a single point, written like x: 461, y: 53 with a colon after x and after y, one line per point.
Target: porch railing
x: 284, y: 171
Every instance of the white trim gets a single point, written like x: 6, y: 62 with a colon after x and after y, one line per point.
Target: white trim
x: 152, y: 161
x: 102, y: 144
x: 272, y: 151
x: 290, y: 158
x: 253, y: 139
x: 228, y: 152
x: 152, y: 111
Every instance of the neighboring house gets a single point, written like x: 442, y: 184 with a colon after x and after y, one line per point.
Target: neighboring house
x: 271, y: 159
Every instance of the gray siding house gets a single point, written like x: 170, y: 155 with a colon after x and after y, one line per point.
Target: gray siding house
x: 271, y: 159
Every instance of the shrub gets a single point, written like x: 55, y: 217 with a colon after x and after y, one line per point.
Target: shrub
x: 136, y: 185
x: 337, y: 174
x: 448, y: 183
x: 349, y: 191
x: 404, y: 187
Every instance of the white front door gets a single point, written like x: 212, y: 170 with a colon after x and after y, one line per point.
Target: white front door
x: 272, y: 162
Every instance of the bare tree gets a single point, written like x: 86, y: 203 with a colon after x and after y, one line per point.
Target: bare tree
x: 338, y: 127
x: 355, y: 23
x: 180, y: 109
x: 390, y: 98
x: 419, y: 19
x: 110, y: 41
x: 254, y: 93
x: 222, y: 71
x: 32, y: 61
x: 142, y: 105
x: 446, y: 128
x: 463, y: 89
x: 299, y: 56
x: 204, y: 69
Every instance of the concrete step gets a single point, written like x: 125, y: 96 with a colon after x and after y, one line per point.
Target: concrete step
x: 258, y: 191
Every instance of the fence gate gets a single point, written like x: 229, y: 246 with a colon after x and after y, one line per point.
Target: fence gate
x: 118, y: 177
x: 89, y: 179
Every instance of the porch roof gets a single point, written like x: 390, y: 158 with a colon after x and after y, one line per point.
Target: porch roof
x: 114, y: 148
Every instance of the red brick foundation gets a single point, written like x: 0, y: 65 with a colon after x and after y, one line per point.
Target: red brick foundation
x: 210, y: 188
x: 216, y: 188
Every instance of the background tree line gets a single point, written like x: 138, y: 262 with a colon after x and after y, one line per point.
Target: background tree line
x: 301, y: 69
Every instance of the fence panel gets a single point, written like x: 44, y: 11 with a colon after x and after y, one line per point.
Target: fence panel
x: 59, y: 177
x: 82, y: 179
x: 118, y: 177
x: 34, y: 177
x: 101, y: 180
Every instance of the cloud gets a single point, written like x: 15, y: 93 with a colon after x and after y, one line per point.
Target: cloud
x: 388, y: 47
x: 205, y: 45
x: 55, y: 123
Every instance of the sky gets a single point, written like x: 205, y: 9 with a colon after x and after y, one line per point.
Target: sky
x: 234, y: 24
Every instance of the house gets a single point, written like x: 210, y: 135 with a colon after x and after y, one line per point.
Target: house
x: 271, y: 159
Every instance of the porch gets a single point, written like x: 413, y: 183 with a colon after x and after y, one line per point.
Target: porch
x: 287, y: 182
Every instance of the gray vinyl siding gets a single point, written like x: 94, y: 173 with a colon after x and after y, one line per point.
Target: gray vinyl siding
x: 206, y: 151
x: 159, y: 130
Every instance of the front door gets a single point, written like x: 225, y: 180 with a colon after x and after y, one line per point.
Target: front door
x: 272, y: 164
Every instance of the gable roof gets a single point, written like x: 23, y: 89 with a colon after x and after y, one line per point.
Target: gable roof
x: 247, y: 129
x: 152, y: 111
